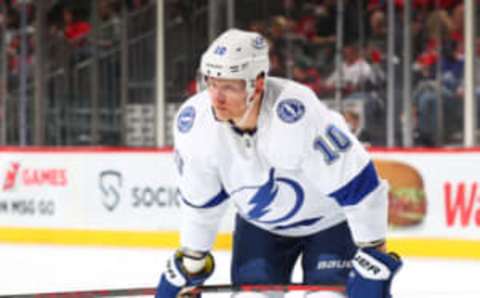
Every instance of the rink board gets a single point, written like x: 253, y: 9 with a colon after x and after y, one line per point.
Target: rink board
x: 125, y: 197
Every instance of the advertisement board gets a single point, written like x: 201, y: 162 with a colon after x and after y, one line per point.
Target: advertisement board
x: 446, y: 192
x: 129, y: 198
x: 37, y: 190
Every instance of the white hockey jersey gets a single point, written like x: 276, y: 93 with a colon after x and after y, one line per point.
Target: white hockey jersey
x: 300, y: 173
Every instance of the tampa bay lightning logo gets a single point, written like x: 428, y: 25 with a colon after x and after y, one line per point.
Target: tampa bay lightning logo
x: 290, y: 110
x: 259, y: 43
x: 266, y: 194
x: 185, y: 119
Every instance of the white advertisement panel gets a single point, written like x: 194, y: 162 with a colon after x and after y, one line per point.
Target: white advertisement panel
x: 39, y: 190
x: 450, y: 183
x: 104, y: 190
x: 132, y: 192
x: 438, y: 197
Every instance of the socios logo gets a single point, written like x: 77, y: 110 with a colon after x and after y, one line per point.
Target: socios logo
x: 185, y: 119
x: 260, y: 205
x: 110, y: 182
x: 290, y: 110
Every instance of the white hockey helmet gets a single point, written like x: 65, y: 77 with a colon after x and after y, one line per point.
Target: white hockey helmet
x: 237, y: 54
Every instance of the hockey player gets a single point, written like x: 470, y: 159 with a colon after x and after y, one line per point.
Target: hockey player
x: 302, y: 185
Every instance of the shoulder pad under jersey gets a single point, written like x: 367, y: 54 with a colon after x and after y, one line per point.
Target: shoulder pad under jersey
x: 192, y: 125
x: 292, y: 126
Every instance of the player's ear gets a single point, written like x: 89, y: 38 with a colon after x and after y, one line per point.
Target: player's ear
x: 260, y: 83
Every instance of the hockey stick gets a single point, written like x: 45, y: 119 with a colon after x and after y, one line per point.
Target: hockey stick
x: 193, y: 291
x: 88, y: 293
x: 187, y: 292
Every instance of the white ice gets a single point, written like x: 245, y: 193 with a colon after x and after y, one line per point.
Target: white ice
x: 34, y: 268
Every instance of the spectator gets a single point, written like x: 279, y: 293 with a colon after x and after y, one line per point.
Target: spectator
x: 457, y: 25
x: 376, y: 45
x: 356, y: 126
x: 277, y: 35
x: 460, y: 94
x: 306, y: 27
x: 357, y: 74
x: 427, y: 94
x: 277, y: 65
x: 326, y: 23
x: 325, y: 35
x: 377, y: 37
x: 109, y: 33
x: 426, y: 61
x: 304, y: 73
x: 76, y: 32
x: 284, y: 44
x: 2, y: 16
x: 258, y: 26
x: 136, y: 4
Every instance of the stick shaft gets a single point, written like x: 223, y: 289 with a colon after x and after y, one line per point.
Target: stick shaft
x: 87, y: 294
x: 263, y: 288
x: 221, y: 288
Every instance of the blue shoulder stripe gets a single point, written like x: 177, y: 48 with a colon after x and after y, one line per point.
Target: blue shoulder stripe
x: 358, y: 188
x: 215, y: 201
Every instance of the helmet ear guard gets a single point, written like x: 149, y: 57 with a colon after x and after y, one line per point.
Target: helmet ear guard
x: 237, y: 55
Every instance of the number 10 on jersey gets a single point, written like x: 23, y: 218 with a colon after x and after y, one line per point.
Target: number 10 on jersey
x: 332, y: 143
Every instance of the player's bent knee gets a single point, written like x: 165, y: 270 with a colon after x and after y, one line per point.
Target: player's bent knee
x: 324, y: 294
x: 254, y: 272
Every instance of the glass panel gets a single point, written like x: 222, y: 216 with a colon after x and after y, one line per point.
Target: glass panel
x: 303, y: 38
x: 438, y: 73
x: 89, y: 100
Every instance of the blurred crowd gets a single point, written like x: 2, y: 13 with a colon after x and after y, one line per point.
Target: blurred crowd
x: 67, y: 21
x: 303, y: 39
x: 10, y: 24
x: 438, y: 57
x: 303, y: 43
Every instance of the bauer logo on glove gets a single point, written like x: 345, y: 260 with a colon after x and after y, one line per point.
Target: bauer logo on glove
x: 370, y: 268
x: 372, y: 274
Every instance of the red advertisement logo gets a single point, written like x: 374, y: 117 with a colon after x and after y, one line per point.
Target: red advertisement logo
x: 462, y: 204
x: 11, y: 176
x: 16, y: 174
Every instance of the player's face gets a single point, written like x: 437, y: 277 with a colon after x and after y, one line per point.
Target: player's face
x: 228, y: 98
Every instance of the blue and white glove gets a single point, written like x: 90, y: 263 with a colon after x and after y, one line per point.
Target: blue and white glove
x: 178, y: 273
x: 372, y: 274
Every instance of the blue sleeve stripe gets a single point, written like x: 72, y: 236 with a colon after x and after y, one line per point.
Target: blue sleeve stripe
x: 215, y: 201
x: 358, y: 188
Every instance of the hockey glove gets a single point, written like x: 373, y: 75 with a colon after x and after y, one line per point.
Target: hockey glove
x: 176, y: 276
x: 372, y: 274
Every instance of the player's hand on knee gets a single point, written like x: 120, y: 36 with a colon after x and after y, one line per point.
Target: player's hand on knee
x: 185, y: 268
x: 372, y: 274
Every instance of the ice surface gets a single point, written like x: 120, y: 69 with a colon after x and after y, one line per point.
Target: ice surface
x: 33, y: 268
